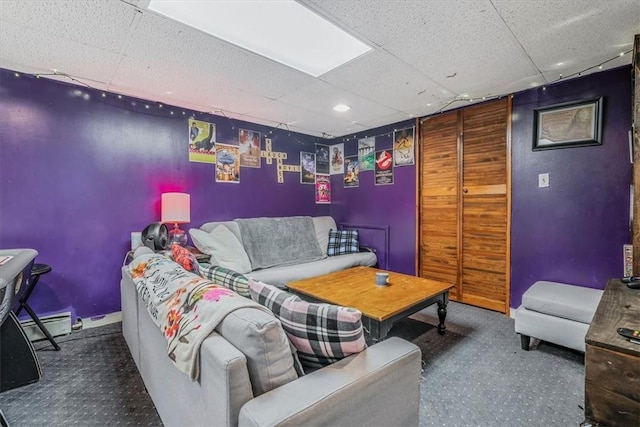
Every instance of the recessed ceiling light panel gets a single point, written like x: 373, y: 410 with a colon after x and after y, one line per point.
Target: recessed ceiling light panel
x: 284, y: 31
x: 341, y: 108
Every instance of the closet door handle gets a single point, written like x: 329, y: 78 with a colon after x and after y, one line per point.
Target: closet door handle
x: 465, y: 190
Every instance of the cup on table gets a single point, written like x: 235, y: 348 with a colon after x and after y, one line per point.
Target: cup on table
x: 382, y: 279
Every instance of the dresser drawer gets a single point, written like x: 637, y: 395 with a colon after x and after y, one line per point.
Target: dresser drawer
x: 612, y: 387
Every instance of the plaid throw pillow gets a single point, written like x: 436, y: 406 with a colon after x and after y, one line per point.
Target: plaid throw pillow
x: 321, y: 333
x: 270, y: 296
x: 342, y: 242
x: 225, y: 277
x: 185, y: 258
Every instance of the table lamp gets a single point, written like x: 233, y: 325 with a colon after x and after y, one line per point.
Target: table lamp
x: 176, y: 208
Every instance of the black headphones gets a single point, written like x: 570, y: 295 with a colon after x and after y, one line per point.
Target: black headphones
x: 155, y: 236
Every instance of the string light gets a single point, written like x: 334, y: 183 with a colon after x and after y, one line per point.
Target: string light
x: 461, y: 98
x: 465, y: 98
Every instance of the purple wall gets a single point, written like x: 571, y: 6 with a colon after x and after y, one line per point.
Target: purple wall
x: 380, y: 206
x: 79, y: 173
x: 573, y: 231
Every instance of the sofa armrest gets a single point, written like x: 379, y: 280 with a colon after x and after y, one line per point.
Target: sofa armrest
x: 355, y: 391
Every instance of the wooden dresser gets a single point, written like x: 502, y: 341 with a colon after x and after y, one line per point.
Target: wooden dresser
x: 612, y: 363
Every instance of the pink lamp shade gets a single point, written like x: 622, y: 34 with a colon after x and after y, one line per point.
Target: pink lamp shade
x: 176, y: 208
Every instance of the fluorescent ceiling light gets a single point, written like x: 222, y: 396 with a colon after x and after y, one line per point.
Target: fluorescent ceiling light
x: 282, y: 30
x: 342, y: 108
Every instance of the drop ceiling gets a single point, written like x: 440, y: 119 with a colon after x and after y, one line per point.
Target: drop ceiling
x: 427, y: 56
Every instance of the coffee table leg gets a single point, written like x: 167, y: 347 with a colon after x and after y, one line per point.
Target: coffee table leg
x: 377, y: 330
x: 442, y: 312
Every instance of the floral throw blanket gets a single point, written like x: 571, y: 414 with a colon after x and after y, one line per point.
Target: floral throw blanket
x: 185, y: 306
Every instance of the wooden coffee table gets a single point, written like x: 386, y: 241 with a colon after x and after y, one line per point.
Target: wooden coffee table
x: 381, y: 306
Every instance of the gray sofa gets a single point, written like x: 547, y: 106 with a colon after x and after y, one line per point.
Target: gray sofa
x: 248, y: 377
x: 280, y: 275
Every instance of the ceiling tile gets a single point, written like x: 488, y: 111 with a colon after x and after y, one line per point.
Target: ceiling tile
x: 19, y: 48
x: 311, y: 122
x: 424, y: 52
x: 389, y: 82
x: 577, y: 34
x: 481, y: 55
x: 100, y: 24
x: 321, y: 97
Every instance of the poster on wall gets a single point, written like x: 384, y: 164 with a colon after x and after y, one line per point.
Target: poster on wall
x: 228, y: 163
x: 322, y: 158
x: 367, y: 153
x: 351, y: 172
x: 403, y: 152
x: 384, y: 168
x: 337, y: 159
x: 323, y: 189
x: 202, y: 141
x: 249, y: 145
x: 307, y: 168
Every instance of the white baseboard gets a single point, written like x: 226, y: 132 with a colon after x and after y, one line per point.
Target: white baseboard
x: 106, y: 319
x: 57, y: 325
x: 512, y: 312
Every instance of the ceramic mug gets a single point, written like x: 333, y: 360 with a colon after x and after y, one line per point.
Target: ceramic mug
x: 382, y: 279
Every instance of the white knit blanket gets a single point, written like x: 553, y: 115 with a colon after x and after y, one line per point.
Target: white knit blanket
x: 185, y: 306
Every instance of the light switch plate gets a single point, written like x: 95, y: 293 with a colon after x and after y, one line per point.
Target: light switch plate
x: 543, y: 180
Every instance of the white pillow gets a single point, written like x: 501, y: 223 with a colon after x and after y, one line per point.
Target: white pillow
x: 224, y: 247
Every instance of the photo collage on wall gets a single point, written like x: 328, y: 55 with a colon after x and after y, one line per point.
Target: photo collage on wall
x: 307, y: 168
x: 337, y: 159
x: 227, y: 163
x: 323, y: 189
x: 249, y: 145
x: 403, y: 142
x: 314, y: 168
x: 367, y: 153
x: 322, y: 159
x: 227, y: 158
x: 202, y: 142
x: 351, y: 171
x: 382, y: 161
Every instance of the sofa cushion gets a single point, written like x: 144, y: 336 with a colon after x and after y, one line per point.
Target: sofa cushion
x: 280, y: 276
x: 223, y: 246
x: 260, y: 337
x: 231, y: 225
x: 185, y: 258
x: 233, y: 280
x: 559, y: 299
x: 323, y: 224
x: 342, y: 242
x: 322, y: 333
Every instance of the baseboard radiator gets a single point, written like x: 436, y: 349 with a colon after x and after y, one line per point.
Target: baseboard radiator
x: 57, y: 325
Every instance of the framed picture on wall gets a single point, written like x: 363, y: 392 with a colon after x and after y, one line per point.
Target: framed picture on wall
x: 570, y: 124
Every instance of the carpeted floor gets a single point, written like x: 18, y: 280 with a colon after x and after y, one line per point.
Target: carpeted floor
x: 474, y: 375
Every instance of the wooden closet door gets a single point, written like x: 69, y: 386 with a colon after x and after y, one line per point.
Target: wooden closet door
x: 484, y: 266
x: 439, y: 199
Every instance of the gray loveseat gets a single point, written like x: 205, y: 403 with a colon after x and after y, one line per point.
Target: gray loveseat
x: 247, y: 375
x: 213, y: 239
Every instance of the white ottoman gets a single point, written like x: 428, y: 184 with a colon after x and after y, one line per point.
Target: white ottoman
x: 557, y: 313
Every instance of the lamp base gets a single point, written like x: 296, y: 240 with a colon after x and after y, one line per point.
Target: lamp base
x: 177, y: 236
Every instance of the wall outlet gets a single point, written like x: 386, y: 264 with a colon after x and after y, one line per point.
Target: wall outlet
x: 543, y: 180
